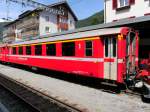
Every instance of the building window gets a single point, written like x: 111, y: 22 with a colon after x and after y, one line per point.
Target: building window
x: 28, y: 50
x: 20, y: 50
x: 14, y: 50
x: 123, y: 3
x: 51, y: 49
x: 47, y: 18
x: 63, y: 20
x: 38, y: 50
x: 47, y: 29
x: 71, y: 23
x: 89, y: 48
x: 68, y: 49
x: 60, y: 20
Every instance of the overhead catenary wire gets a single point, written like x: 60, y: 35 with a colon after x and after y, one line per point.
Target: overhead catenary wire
x: 40, y: 6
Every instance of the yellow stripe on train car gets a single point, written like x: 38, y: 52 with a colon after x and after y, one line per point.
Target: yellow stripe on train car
x: 58, y: 41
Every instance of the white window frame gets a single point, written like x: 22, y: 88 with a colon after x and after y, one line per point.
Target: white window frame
x: 124, y: 3
x: 47, y: 31
x: 71, y: 22
x: 47, y: 18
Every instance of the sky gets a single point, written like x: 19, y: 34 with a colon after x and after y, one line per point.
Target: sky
x: 82, y: 8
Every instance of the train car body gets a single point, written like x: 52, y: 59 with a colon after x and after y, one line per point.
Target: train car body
x: 101, y: 53
x: 110, y: 54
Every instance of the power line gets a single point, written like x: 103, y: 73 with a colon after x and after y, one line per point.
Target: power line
x: 38, y: 5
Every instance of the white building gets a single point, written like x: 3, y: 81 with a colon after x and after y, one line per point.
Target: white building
x: 53, y: 23
x: 40, y: 22
x: 123, y: 9
x: 130, y: 13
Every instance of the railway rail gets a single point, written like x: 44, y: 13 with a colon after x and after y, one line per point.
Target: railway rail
x: 37, y: 100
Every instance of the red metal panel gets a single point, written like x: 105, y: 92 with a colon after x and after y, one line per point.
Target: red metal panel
x: 99, y: 53
x: 24, y: 50
x: 17, y: 50
x: 59, y: 49
x: 6, y: 52
x: 121, y: 46
x: 80, y: 48
x: 109, y: 60
x: 98, y: 48
x: 32, y: 50
x: 120, y: 72
x: 44, y: 49
x: 121, y: 56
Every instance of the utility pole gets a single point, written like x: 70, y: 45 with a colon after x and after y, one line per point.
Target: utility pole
x: 7, y: 11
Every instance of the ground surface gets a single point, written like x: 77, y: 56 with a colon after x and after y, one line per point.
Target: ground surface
x: 10, y: 103
x: 92, y: 99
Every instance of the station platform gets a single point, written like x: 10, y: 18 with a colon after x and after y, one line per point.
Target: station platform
x: 94, y: 100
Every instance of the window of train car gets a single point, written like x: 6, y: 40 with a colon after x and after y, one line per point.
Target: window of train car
x: 20, y: 50
x: 28, y: 50
x: 89, y: 48
x: 114, y: 47
x: 38, y: 49
x: 68, y: 49
x: 106, y: 47
x: 51, y: 49
x: 14, y: 50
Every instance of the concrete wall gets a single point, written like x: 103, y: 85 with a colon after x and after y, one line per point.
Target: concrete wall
x: 71, y: 22
x: 138, y: 9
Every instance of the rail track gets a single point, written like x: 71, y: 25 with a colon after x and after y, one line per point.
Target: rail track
x: 36, y: 99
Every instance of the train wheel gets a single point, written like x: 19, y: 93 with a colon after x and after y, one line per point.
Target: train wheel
x: 35, y: 69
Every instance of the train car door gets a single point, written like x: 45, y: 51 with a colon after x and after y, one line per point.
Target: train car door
x: 110, y: 58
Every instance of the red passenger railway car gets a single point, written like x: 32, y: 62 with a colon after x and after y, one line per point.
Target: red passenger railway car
x: 109, y: 54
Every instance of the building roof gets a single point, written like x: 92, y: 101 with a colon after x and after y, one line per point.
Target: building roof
x: 67, y: 5
x: 39, y: 10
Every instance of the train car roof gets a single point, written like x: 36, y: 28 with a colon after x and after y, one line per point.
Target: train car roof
x: 72, y: 35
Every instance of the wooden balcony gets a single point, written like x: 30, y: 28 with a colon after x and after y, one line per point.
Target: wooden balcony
x: 29, y: 34
x: 28, y: 23
x: 63, y: 26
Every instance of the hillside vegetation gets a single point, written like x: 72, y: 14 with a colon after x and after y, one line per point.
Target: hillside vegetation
x: 97, y: 18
